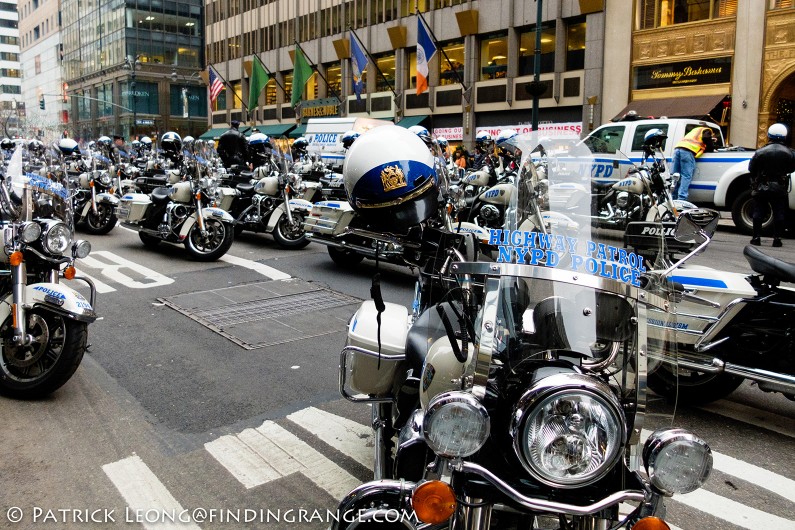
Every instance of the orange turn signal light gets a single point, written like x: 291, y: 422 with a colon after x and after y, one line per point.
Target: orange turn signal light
x: 69, y: 273
x: 433, y: 502
x: 651, y: 523
x: 198, y: 195
x: 16, y: 258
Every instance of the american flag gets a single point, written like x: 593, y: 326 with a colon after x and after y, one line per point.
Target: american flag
x: 216, y: 85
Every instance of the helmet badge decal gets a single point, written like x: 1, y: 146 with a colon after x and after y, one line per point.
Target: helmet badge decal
x: 392, y: 178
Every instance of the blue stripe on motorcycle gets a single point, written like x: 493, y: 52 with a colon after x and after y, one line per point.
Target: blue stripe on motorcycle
x: 699, y: 282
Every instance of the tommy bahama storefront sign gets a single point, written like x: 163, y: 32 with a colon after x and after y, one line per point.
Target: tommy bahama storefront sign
x: 684, y: 73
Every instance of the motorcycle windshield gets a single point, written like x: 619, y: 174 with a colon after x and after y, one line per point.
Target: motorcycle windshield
x: 39, y: 196
x: 552, y: 217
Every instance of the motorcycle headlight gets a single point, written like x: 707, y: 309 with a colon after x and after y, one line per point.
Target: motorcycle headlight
x: 30, y: 232
x: 81, y: 248
x: 56, y: 238
x: 622, y: 199
x: 568, y: 430
x: 105, y: 179
x: 677, y: 461
x: 455, y: 424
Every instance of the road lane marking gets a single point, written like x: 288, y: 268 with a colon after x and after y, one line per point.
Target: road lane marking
x: 752, y: 416
x: 734, y: 512
x: 101, y: 286
x: 256, y: 266
x: 347, y: 436
x: 144, y: 493
x: 111, y: 266
x: 258, y: 456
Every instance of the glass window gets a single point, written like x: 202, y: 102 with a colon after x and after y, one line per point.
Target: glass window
x: 270, y: 92
x: 334, y: 78
x: 220, y: 101
x: 105, y: 97
x: 640, y: 132
x: 575, y: 46
x: 527, y: 50
x: 386, y: 63
x: 412, y: 57
x: 494, y: 56
x: 606, y: 139
x: 659, y: 13
x: 143, y: 98
x: 196, y: 98
x: 455, y: 52
x: 83, y: 106
x: 288, y: 87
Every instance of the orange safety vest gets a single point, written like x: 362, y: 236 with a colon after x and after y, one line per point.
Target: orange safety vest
x: 693, y: 141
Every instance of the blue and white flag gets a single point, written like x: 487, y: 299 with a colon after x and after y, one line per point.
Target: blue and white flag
x: 358, y: 66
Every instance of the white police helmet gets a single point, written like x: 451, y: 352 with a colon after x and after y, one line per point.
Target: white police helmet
x: 390, y: 178
x: 777, y: 132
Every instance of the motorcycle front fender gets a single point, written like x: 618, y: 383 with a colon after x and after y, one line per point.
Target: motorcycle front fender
x: 107, y: 198
x: 207, y: 213
x: 377, y: 501
x: 55, y: 297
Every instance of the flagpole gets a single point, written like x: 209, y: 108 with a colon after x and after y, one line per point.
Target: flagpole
x: 231, y: 89
x: 373, y: 61
x: 436, y: 41
x: 314, y: 66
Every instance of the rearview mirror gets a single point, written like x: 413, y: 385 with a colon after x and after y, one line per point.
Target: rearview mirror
x: 697, y: 224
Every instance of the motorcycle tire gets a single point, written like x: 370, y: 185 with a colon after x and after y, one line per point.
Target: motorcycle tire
x: 214, y: 244
x: 148, y: 240
x: 102, y: 222
x: 344, y: 258
x: 59, y: 345
x: 691, y: 387
x: 742, y: 210
x: 290, y: 236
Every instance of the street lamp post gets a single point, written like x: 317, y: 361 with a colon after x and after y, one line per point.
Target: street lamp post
x: 132, y: 66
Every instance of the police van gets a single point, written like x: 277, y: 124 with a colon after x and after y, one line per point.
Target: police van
x: 721, y: 178
x: 324, y: 136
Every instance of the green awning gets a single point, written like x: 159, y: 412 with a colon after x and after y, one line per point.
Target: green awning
x: 410, y: 121
x: 277, y: 130
x: 213, y: 134
x: 298, y: 131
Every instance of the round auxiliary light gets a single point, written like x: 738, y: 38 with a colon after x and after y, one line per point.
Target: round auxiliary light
x: 57, y: 238
x: 455, y: 425
x: 81, y: 248
x: 677, y: 461
x: 30, y: 232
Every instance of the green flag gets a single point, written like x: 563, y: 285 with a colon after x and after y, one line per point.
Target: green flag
x: 259, y: 78
x: 301, y: 74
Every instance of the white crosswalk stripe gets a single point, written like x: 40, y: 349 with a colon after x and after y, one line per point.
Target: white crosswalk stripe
x: 349, y: 437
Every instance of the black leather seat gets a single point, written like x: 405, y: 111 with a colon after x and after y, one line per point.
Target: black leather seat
x: 160, y: 194
x: 771, y: 267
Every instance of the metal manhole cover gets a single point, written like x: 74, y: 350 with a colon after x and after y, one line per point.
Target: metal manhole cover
x: 267, y: 313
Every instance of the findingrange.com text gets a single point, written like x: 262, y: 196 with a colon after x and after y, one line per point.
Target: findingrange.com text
x: 36, y: 514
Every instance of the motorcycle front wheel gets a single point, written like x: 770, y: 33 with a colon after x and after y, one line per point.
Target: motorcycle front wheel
x: 289, y: 235
x: 691, y: 387
x: 102, y: 222
x: 214, y: 243
x: 55, y: 352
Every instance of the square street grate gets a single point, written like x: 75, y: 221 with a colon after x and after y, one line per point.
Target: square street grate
x: 256, y: 315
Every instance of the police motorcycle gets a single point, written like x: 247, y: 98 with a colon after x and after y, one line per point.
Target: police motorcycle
x: 514, y: 396
x: 345, y: 227
x: 732, y: 327
x: 94, y: 183
x: 644, y: 195
x: 262, y: 200
x: 44, y: 322
x: 180, y: 212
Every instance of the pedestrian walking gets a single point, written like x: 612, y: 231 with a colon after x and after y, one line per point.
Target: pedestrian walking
x: 695, y: 143
x: 770, y: 169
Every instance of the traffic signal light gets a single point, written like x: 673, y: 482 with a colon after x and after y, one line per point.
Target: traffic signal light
x: 41, y: 103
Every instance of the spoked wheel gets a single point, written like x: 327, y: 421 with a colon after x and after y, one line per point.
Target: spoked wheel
x: 213, y: 243
x: 102, y: 222
x: 39, y: 368
x: 692, y: 387
x: 289, y: 235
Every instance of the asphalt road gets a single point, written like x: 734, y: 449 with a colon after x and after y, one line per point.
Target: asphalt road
x: 167, y: 418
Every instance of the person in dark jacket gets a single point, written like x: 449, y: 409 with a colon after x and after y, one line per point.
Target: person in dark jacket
x: 770, y: 169
x: 232, y: 147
